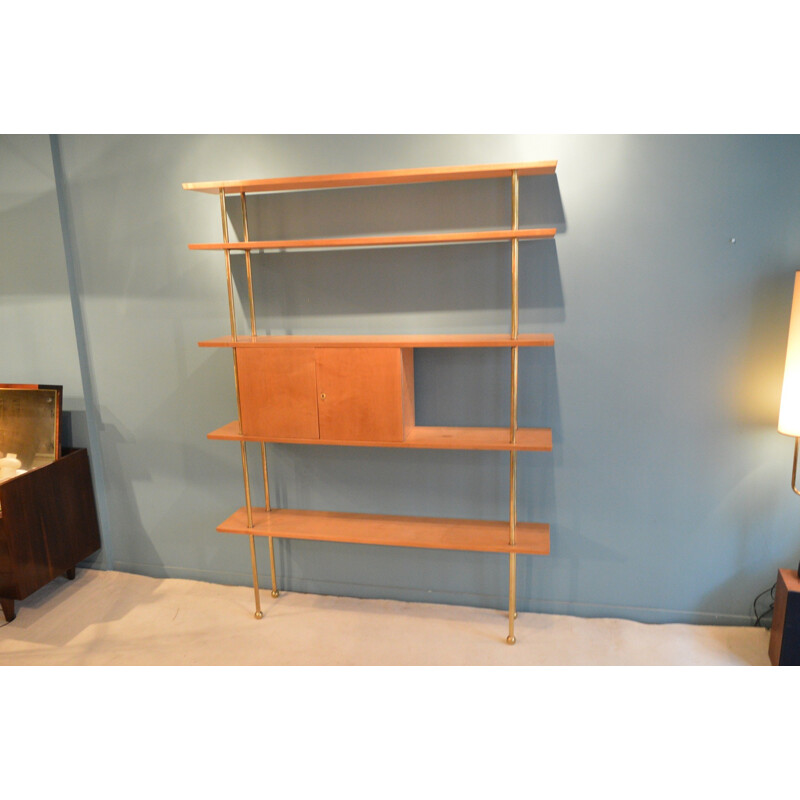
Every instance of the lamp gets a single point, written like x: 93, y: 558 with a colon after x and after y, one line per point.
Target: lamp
x: 789, y: 416
x: 784, y: 637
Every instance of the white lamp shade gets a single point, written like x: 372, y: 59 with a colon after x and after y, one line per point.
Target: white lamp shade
x: 789, y: 417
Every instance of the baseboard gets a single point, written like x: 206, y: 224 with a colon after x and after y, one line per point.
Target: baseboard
x: 414, y: 595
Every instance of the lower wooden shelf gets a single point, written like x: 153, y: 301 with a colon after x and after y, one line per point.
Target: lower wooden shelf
x: 533, y: 538
x: 420, y: 437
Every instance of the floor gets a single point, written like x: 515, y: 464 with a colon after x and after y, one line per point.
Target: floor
x: 114, y: 618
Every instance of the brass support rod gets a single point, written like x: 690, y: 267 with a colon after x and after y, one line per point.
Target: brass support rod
x: 267, y: 507
x: 514, y: 200
x: 258, y: 613
x: 248, y: 505
x: 246, y: 475
x: 246, y: 233
x: 512, y: 502
x: 512, y: 489
x: 512, y: 596
x: 231, y: 307
x: 794, y: 467
x: 275, y: 591
x: 514, y: 256
x: 512, y: 499
x: 249, y: 268
x: 236, y: 387
x: 514, y: 392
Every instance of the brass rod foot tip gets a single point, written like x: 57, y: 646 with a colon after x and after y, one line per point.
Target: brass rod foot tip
x: 258, y: 615
x: 275, y: 593
x: 511, y: 639
x: 515, y: 615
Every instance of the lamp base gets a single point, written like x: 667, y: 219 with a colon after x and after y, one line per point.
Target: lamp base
x: 784, y: 639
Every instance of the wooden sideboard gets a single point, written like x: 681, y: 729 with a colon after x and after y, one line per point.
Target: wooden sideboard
x: 48, y: 524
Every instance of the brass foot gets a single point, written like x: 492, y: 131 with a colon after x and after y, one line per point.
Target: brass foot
x: 515, y: 615
x: 275, y: 593
x: 258, y: 615
x: 511, y: 639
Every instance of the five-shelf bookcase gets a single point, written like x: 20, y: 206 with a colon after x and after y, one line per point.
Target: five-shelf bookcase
x: 359, y: 389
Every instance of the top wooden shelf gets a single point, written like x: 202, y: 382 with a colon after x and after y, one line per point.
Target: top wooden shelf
x: 447, y: 340
x: 382, y: 178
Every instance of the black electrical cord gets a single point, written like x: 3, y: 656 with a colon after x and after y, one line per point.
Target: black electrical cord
x: 759, y: 617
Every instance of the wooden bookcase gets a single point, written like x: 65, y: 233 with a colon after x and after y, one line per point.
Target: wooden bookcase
x: 359, y: 390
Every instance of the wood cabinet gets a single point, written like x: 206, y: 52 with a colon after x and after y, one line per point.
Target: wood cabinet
x: 48, y: 525
x: 784, y: 638
x: 359, y: 390
x: 330, y: 393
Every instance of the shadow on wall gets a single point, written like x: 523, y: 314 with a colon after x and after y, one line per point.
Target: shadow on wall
x: 402, y: 209
x: 385, y: 290
x: 124, y: 464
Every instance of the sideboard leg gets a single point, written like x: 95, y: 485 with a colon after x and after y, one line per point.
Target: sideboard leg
x: 8, y: 608
x: 70, y: 573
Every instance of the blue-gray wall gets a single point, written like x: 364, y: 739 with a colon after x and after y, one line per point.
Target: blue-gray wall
x: 37, y: 344
x: 667, y: 490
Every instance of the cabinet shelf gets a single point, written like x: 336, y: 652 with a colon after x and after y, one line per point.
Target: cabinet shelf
x: 433, y: 533
x: 379, y: 178
x: 420, y: 437
x: 401, y: 240
x: 445, y: 340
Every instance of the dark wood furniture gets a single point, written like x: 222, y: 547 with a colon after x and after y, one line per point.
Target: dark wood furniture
x: 784, y: 639
x: 48, y: 524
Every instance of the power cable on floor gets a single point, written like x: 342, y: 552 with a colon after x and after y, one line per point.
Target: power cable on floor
x: 763, y: 614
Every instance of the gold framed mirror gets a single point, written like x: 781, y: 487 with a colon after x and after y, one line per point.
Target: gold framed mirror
x: 30, y: 423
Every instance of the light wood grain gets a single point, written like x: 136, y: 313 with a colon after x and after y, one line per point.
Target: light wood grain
x: 360, y: 394
x: 396, y: 531
x: 787, y: 589
x: 444, y: 340
x: 382, y: 241
x: 430, y: 438
x: 278, y: 392
x: 379, y: 178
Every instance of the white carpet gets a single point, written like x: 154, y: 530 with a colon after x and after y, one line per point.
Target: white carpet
x: 114, y: 618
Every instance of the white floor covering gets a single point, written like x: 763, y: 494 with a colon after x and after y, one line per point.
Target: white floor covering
x: 114, y: 618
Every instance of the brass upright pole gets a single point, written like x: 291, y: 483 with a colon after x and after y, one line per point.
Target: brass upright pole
x: 231, y: 308
x: 512, y: 493
x: 246, y: 232
x: 267, y: 508
x: 249, y: 267
x: 245, y: 471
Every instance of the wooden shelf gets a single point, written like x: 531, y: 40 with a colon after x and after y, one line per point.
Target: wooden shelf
x: 402, y: 240
x: 433, y: 533
x: 381, y: 178
x: 387, y: 340
x: 422, y: 438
